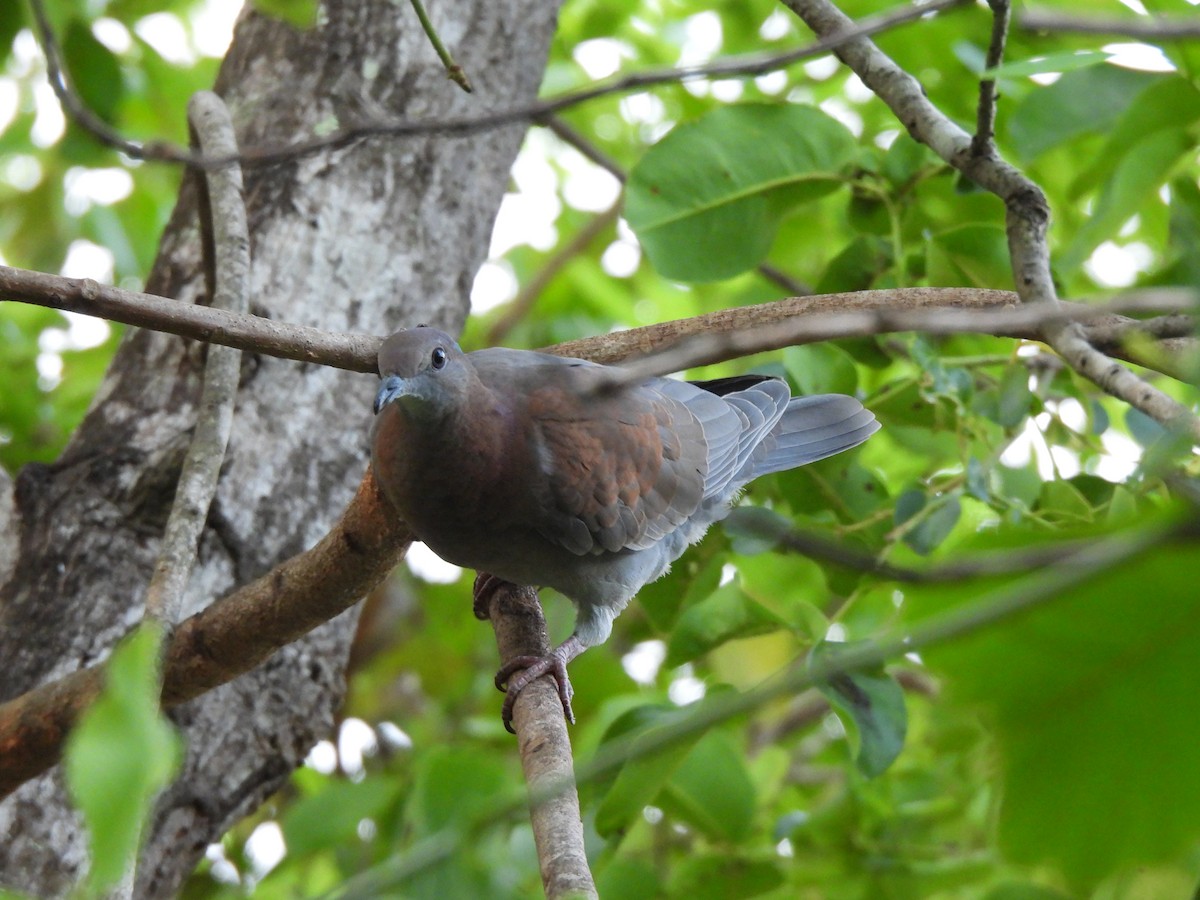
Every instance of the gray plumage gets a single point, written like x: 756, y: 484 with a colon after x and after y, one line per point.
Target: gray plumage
x: 520, y: 465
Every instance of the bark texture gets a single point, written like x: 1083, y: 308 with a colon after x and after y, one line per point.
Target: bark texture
x: 363, y: 238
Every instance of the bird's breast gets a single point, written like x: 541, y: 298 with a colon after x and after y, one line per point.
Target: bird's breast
x: 457, y: 486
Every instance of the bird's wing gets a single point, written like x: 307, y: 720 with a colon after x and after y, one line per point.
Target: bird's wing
x: 615, y: 470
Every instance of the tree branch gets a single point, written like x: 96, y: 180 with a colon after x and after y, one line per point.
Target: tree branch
x: 746, y: 67
x: 228, y: 259
x: 1148, y: 28
x: 545, y: 747
x: 903, y: 309
x: 353, y: 352
x: 985, y: 120
x: 1027, y: 211
x: 230, y: 637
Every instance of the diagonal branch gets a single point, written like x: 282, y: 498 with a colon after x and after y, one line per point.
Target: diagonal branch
x: 1028, y: 213
x: 230, y: 637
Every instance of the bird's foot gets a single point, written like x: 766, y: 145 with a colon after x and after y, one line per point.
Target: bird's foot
x: 517, y: 674
x: 485, y: 586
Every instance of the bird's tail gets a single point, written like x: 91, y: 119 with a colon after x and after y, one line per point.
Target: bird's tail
x: 813, y: 428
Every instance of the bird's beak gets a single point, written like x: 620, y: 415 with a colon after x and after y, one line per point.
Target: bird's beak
x: 393, y: 386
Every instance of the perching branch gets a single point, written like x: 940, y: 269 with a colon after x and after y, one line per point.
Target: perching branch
x: 227, y: 259
x: 1027, y: 211
x: 744, y: 67
x: 545, y: 747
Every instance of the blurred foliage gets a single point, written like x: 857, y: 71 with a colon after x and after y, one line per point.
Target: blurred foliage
x: 120, y: 755
x: 1049, y: 756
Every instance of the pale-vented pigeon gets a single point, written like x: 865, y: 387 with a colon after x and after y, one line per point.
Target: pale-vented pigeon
x: 526, y: 466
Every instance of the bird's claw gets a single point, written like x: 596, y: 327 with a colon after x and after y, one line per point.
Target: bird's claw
x: 517, y: 674
x: 485, y: 587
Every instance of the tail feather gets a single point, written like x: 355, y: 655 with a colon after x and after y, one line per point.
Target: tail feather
x: 813, y: 428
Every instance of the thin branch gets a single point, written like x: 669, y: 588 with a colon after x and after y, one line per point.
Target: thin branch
x: 230, y: 289
x: 228, y: 638
x: 73, y: 104
x: 545, y: 748
x: 1148, y: 28
x: 354, y: 352
x: 980, y: 565
x: 819, y: 317
x: 744, y: 66
x: 734, y: 333
x: 454, y: 71
x: 1028, y: 213
x: 983, y: 143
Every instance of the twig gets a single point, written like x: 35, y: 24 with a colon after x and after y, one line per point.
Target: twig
x: 987, y: 565
x: 73, y: 104
x: 1150, y: 28
x: 1028, y: 213
x: 229, y: 289
x: 454, y: 71
x: 747, y: 66
x: 983, y: 143
x: 545, y: 748
x: 898, y: 309
x: 228, y: 638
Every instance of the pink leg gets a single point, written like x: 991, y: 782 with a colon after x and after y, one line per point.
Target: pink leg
x: 517, y: 674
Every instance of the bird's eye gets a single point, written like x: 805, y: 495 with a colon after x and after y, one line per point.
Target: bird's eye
x: 439, y: 358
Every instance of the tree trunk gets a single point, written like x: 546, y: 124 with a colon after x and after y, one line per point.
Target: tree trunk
x: 369, y: 237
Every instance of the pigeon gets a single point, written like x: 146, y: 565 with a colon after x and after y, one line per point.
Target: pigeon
x: 546, y: 471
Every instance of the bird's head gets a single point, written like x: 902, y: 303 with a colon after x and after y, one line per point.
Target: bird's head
x: 423, y: 369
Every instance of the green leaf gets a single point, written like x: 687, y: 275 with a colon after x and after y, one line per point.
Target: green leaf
x: 717, y: 876
x: 1051, y: 62
x: 821, y: 369
x: 639, y: 780
x: 723, y: 616
x: 928, y: 534
x: 873, y: 701
x: 122, y: 752
x: 712, y: 790
x: 970, y: 254
x: 453, y: 784
x: 1142, y: 171
x: 705, y: 201
x: 332, y: 815
x: 1169, y: 103
x: 1092, y: 703
x: 94, y: 71
x: 1088, y: 101
x: 1015, y: 397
